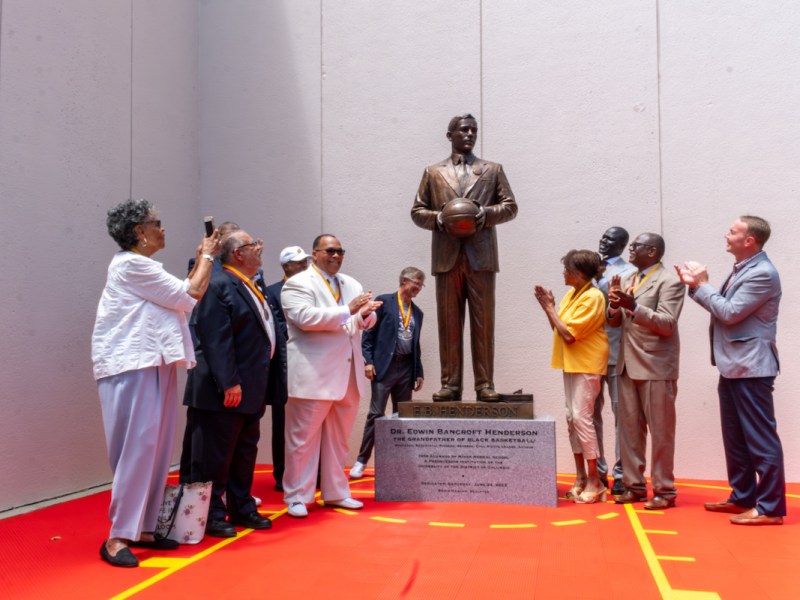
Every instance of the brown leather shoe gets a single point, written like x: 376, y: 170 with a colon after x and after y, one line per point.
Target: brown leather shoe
x: 488, y: 395
x: 660, y: 503
x: 751, y: 517
x: 629, y: 497
x: 447, y: 394
x: 725, y: 507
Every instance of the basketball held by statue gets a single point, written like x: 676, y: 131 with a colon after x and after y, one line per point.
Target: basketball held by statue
x: 459, y: 217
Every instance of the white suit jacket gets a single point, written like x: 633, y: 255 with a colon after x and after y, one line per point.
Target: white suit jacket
x: 324, y: 340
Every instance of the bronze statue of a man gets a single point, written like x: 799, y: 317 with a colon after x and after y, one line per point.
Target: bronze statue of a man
x: 465, y: 267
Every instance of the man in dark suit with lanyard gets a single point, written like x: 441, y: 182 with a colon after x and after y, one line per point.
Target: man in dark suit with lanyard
x: 392, y: 360
x: 293, y: 260
x: 226, y: 392
x: 744, y: 323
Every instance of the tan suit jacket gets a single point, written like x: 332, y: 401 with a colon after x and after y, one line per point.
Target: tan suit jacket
x: 650, y: 346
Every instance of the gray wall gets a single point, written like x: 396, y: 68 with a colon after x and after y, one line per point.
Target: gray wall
x: 306, y: 116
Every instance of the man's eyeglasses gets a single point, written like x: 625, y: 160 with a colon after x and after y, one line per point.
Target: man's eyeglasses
x: 254, y: 244
x: 332, y: 251
x: 637, y: 245
x: 418, y: 284
x: 156, y: 222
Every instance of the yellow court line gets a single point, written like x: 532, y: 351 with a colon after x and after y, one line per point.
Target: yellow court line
x: 345, y: 511
x: 186, y: 562
x: 388, y: 520
x: 517, y: 526
x: 661, y: 581
x: 607, y: 516
x: 677, y: 558
x: 660, y: 532
x: 162, y: 562
x: 562, y: 523
x: 439, y: 524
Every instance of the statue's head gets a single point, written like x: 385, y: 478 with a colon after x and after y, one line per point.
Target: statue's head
x: 462, y: 131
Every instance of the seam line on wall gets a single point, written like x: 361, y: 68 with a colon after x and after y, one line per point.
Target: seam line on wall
x: 658, y: 113
x: 321, y: 118
x: 130, y: 182
x: 480, y: 67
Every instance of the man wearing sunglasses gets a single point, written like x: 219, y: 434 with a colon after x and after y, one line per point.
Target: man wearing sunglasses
x: 326, y: 312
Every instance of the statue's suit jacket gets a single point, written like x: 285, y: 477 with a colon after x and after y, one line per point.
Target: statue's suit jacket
x: 321, y: 350
x: 744, y: 321
x: 487, y: 185
x: 649, y: 346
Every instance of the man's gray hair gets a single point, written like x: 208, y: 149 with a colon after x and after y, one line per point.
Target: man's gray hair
x: 411, y: 273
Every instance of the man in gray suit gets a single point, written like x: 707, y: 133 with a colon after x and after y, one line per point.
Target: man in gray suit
x: 611, y: 246
x: 649, y: 352
x: 744, y: 319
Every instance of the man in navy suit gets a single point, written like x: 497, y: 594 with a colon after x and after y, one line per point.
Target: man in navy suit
x: 226, y: 392
x: 392, y: 356
x: 744, y: 319
x: 293, y: 260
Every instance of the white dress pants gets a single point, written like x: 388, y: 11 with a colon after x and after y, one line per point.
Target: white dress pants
x: 317, y: 435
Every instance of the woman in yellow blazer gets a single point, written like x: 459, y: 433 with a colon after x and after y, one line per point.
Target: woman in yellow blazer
x: 580, y: 349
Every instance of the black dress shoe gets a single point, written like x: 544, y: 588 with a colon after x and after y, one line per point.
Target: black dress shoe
x: 629, y: 497
x: 156, y: 544
x: 123, y: 557
x: 221, y: 529
x: 252, y: 521
x: 618, y: 488
x: 447, y: 394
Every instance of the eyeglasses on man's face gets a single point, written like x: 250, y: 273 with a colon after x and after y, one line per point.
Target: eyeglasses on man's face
x: 331, y: 251
x: 253, y: 244
x: 636, y: 245
x: 416, y: 283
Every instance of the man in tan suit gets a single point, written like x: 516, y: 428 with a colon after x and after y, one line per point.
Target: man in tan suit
x: 465, y: 267
x: 647, y: 367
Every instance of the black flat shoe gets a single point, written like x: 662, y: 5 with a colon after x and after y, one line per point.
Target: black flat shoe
x: 220, y: 529
x: 123, y: 558
x: 252, y: 521
x: 156, y: 544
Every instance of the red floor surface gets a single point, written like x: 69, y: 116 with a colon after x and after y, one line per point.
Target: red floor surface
x: 420, y: 551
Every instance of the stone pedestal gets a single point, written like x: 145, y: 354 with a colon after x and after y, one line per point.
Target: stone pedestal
x: 466, y: 460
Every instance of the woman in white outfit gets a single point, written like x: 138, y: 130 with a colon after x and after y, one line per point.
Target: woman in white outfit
x: 140, y: 337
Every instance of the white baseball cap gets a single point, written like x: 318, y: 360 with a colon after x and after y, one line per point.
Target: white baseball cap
x: 293, y: 254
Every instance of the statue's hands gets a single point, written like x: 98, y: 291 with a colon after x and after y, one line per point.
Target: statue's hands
x: 480, y: 219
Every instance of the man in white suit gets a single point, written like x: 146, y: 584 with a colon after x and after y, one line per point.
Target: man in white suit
x: 744, y: 323
x: 325, y: 315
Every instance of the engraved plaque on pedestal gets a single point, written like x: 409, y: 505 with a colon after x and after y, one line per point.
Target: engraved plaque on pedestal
x: 466, y: 460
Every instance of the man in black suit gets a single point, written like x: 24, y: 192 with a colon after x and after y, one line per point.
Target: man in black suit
x: 392, y: 356
x: 226, y: 392
x: 293, y: 260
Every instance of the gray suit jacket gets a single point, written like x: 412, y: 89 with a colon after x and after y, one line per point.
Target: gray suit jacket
x: 744, y: 321
x: 650, y: 347
x: 619, y: 267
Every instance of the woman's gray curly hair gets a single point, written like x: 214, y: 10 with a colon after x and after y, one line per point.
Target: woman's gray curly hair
x: 124, y: 217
